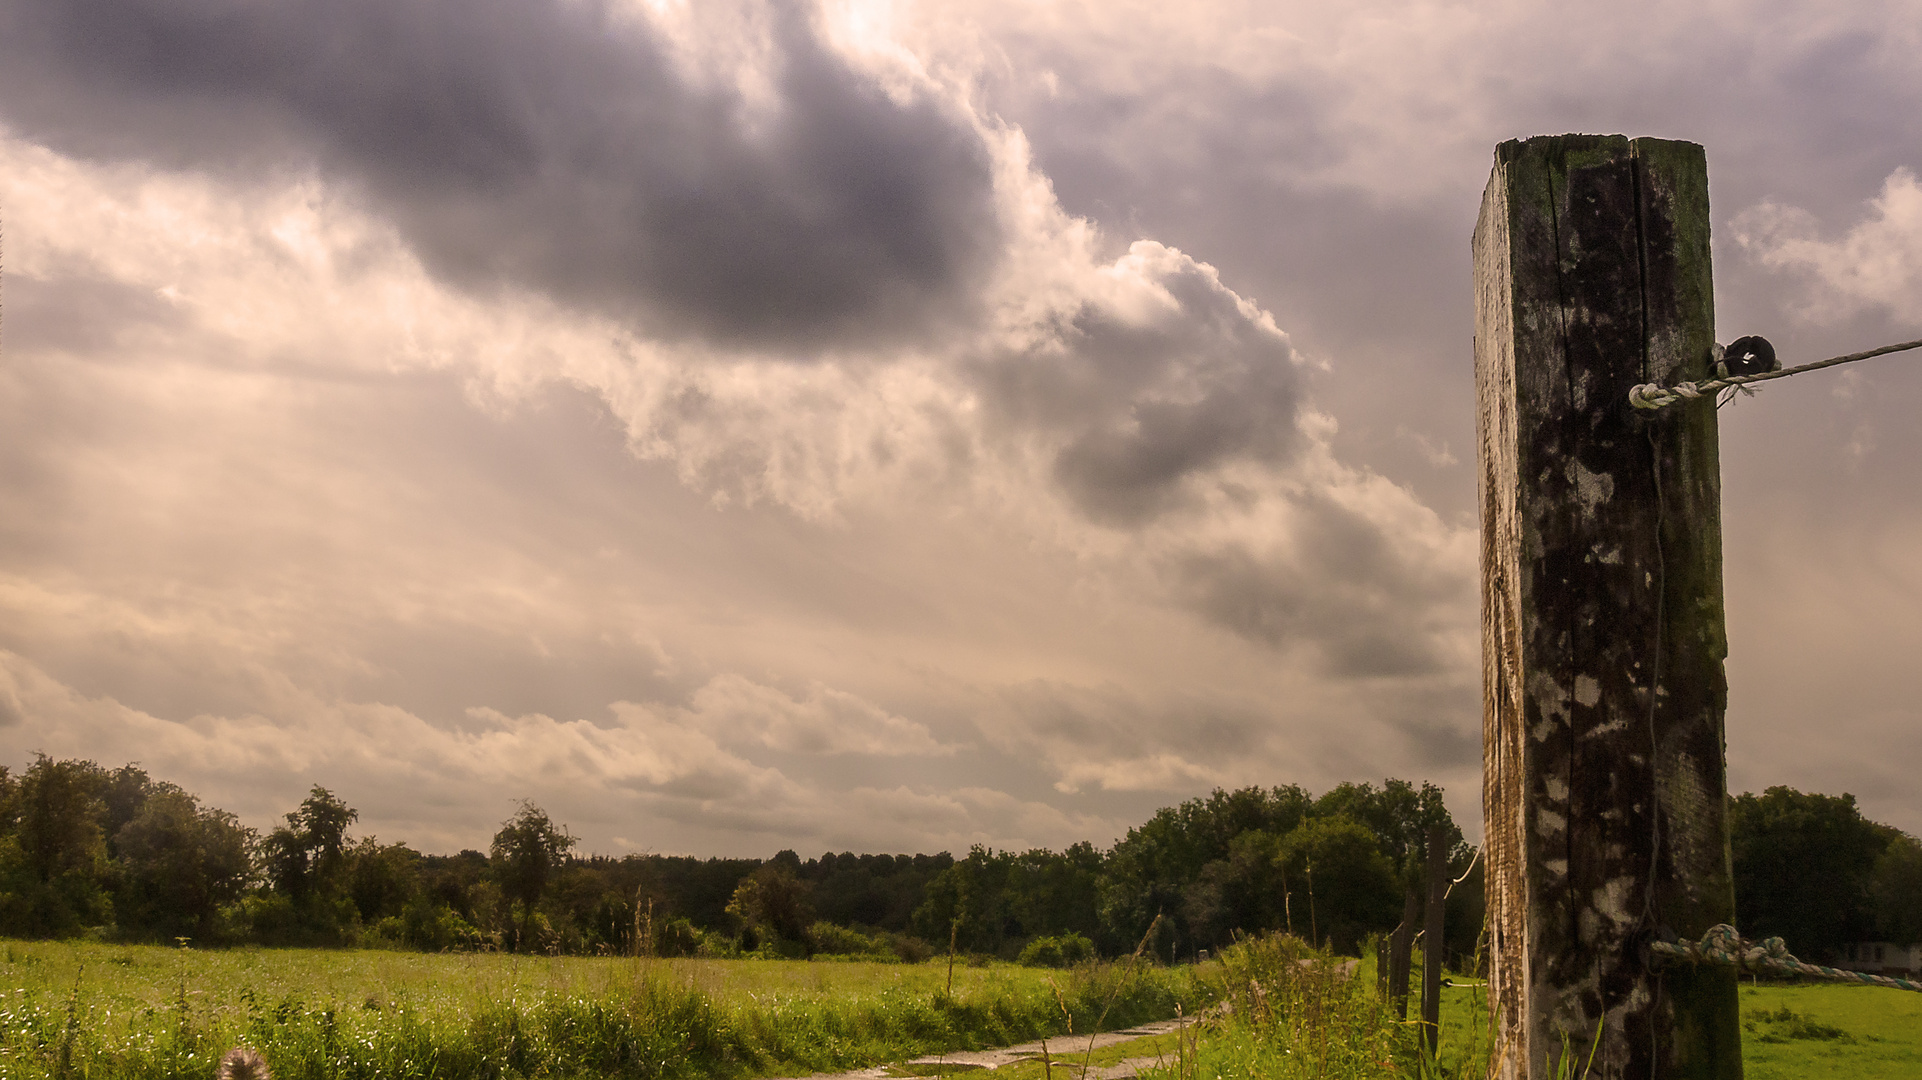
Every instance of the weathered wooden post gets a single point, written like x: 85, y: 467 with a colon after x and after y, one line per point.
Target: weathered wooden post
x: 1602, y: 633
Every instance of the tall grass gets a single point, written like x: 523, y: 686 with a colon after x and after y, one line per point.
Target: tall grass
x: 1289, y: 1011
x: 105, y: 1013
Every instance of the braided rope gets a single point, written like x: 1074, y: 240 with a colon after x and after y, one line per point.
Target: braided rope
x: 1654, y: 396
x: 1723, y: 945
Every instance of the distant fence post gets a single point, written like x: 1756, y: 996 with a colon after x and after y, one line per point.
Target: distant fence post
x: 1433, y: 935
x: 1602, y: 631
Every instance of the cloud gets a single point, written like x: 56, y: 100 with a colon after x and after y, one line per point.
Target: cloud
x: 391, y: 392
x: 11, y: 714
x: 821, y: 721
x: 435, y: 786
x: 1877, y: 264
x: 1144, y: 394
x: 1356, y: 586
x: 550, y: 145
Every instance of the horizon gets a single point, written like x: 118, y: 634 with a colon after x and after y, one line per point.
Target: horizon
x: 879, y: 426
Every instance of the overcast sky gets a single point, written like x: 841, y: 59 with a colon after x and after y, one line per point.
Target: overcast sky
x: 879, y: 426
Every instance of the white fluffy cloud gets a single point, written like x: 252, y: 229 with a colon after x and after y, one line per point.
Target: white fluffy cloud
x: 1876, y: 264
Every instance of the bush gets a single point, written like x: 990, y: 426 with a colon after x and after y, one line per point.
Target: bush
x: 431, y: 927
x: 908, y: 948
x: 718, y: 946
x: 825, y: 937
x: 1066, y: 950
x: 678, y: 937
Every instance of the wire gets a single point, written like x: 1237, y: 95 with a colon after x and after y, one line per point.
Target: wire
x: 1654, y: 396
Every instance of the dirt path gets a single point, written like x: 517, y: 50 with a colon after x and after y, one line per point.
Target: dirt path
x: 1064, y: 1049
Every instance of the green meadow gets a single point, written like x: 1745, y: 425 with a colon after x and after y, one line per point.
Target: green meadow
x: 1296, y: 1019
x: 1824, y: 1030
x: 1790, y: 1031
x: 84, y: 1011
x: 154, y: 1013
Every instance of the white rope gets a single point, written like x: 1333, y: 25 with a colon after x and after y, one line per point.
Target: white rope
x: 1654, y: 396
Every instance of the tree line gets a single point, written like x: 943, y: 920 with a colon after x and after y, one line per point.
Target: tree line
x: 116, y: 854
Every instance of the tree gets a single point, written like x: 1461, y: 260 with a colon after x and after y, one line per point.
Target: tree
x: 1150, y: 869
x: 526, y: 853
x: 1056, y: 894
x: 306, y: 858
x: 123, y: 792
x: 1802, y: 865
x: 1246, y: 892
x: 305, y: 862
x: 180, y: 864
x: 53, y: 854
x: 773, y: 902
x: 1348, y: 881
x: 1895, y: 891
x: 381, y: 878
x: 1400, y: 815
x: 58, y: 818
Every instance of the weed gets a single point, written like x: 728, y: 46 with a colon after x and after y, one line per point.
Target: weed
x: 1783, y: 1023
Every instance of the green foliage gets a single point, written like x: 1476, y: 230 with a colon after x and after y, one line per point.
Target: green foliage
x: 181, y: 867
x: 1246, y: 891
x: 1294, y: 1011
x: 526, y: 855
x: 771, y: 904
x: 1151, y: 869
x: 142, y: 860
x: 994, y: 901
x: 843, y: 942
x: 677, y: 937
x: 1349, y: 883
x: 1895, y: 891
x: 147, y: 1013
x: 1066, y: 950
x: 850, y: 890
x: 53, y: 852
x: 1803, y: 865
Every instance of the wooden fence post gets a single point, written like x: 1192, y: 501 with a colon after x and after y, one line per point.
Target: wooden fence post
x: 1434, y: 930
x: 1602, y: 632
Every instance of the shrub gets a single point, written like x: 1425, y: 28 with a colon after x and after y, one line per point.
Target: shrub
x: 1066, y: 950
x: 678, y: 937
x: 825, y: 937
x: 717, y: 946
x: 908, y: 948
x: 431, y: 928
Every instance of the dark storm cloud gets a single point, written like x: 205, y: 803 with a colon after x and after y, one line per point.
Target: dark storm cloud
x: 546, y: 144
x: 1144, y: 406
x: 1365, y: 605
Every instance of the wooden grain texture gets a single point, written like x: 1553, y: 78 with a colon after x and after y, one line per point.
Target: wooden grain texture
x: 1602, y: 628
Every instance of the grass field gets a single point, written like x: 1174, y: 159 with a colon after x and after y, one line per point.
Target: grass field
x: 81, y: 1012
x: 1789, y: 1032
x: 107, y: 1012
x: 1824, y: 1030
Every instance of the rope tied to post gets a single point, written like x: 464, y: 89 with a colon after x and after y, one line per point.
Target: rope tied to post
x: 1726, y: 947
x: 1656, y: 396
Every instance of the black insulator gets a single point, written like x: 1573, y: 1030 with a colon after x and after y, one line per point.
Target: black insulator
x: 1749, y: 356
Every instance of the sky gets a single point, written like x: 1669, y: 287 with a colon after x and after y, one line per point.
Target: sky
x: 876, y: 426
